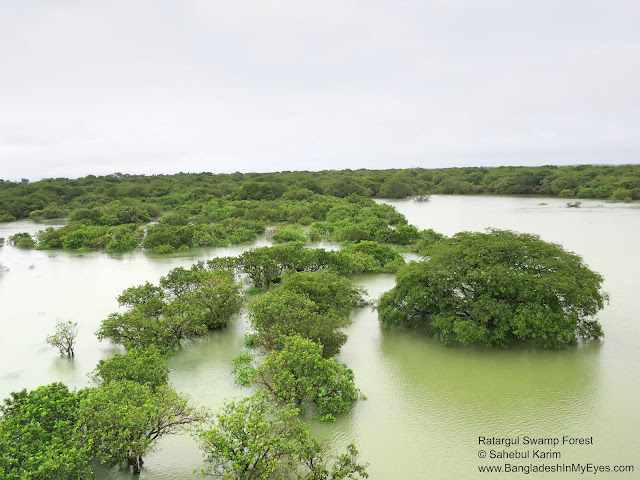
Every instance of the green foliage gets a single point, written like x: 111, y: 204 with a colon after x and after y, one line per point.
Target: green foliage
x: 172, y: 235
x: 497, y: 288
x: 164, y: 249
x: 187, y: 304
x: 40, y: 438
x: 125, y: 419
x: 64, y: 338
x: 282, y: 312
x: 146, y: 367
x: 123, y: 238
x: 49, y: 212
x: 251, y: 440
x: 427, y: 239
x: 288, y: 233
x: 118, y: 212
x: 331, y: 292
x: 375, y: 257
x: 621, y: 195
x: 313, y: 305
x: 22, y: 240
x: 266, y: 265
x: 298, y: 374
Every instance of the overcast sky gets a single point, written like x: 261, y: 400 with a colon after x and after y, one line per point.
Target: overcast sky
x: 151, y: 86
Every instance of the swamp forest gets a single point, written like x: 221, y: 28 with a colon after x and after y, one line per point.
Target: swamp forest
x: 316, y: 325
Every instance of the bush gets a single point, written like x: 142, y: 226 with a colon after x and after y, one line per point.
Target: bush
x: 22, y: 240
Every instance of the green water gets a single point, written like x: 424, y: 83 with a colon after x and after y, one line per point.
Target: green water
x: 427, y: 404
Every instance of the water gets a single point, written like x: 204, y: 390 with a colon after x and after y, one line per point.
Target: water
x: 426, y: 404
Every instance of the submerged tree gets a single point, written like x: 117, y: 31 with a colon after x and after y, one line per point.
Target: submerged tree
x: 64, y: 338
x: 146, y: 367
x: 298, y: 374
x: 496, y: 288
x: 40, y: 437
x: 125, y: 419
x: 251, y: 440
x: 282, y: 312
x: 187, y: 304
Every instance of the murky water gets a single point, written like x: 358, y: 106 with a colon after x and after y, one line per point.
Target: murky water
x: 426, y: 404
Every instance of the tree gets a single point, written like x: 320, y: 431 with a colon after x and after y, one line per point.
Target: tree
x: 64, y: 338
x: 497, y: 288
x: 125, y: 419
x: 185, y: 305
x: 40, y: 438
x: 251, y: 439
x: 135, y: 330
x: 22, y: 240
x: 297, y: 374
x: 146, y: 367
x: 281, y: 312
x: 332, y: 293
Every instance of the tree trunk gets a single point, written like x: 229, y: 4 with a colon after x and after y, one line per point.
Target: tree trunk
x: 136, y: 463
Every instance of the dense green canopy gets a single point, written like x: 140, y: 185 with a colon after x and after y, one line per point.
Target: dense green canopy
x: 40, y: 437
x: 497, y: 288
x: 252, y: 439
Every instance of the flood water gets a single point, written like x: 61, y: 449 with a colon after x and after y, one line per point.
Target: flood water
x: 426, y: 404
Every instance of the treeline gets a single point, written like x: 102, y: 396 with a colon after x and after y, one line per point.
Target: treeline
x: 57, y: 197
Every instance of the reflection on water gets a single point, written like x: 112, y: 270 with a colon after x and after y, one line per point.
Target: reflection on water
x: 426, y: 404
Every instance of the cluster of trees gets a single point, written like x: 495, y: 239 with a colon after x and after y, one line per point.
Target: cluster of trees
x: 297, y: 333
x: 220, y: 222
x: 187, y: 303
x: 497, y: 288
x: 216, y: 210
x: 253, y: 439
x: 53, y: 433
x: 266, y: 265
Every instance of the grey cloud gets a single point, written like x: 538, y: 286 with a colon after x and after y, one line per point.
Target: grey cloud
x: 159, y: 86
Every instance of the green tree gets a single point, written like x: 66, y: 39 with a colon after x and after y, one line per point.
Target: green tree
x: 125, y: 419
x: 186, y: 305
x: 329, y: 291
x: 136, y: 330
x: 22, y: 240
x: 146, y: 367
x: 64, y: 338
x: 496, y: 288
x: 40, y: 438
x: 252, y: 440
x: 282, y: 312
x: 298, y: 374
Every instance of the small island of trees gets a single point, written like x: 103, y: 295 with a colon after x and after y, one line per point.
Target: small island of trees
x: 495, y: 289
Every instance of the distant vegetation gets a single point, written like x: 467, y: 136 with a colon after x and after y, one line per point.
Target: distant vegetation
x: 217, y: 210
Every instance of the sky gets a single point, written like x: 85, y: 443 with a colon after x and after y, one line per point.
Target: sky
x: 164, y: 86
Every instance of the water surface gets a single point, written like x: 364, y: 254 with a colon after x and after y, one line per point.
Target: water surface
x: 427, y: 404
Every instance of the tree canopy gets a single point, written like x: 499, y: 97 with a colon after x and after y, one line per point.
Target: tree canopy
x: 187, y: 304
x: 146, y: 367
x: 40, y: 437
x: 496, y: 288
x: 125, y: 419
x: 298, y: 374
x: 251, y: 440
